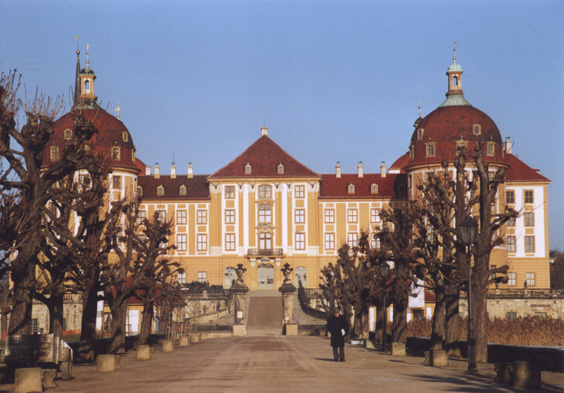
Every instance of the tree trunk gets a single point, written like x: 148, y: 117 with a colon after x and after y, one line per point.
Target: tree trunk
x: 361, y: 324
x: 479, y: 307
x: 380, y: 314
x: 24, y: 282
x: 86, y: 348
x: 399, y: 324
x: 55, y: 306
x: 452, y: 323
x: 117, y: 341
x: 146, y: 322
x: 438, y: 323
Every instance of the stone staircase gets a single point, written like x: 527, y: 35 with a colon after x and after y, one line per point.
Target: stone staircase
x: 265, y: 317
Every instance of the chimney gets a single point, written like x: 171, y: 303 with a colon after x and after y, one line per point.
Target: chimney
x: 360, y: 169
x: 148, y: 170
x: 508, y: 146
x: 383, y: 169
x: 173, y: 171
x: 157, y: 171
x: 190, y: 171
x: 264, y: 131
x: 338, y: 169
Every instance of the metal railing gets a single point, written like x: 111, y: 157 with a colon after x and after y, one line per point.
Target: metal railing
x: 259, y: 252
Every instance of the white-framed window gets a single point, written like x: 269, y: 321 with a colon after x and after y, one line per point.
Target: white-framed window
x: 490, y: 149
x: 116, y: 153
x: 374, y: 216
x: 530, y: 279
x: 34, y: 325
x: 141, y: 216
x: 202, y: 216
x: 116, y: 182
x: 510, y: 243
x: 352, y: 239
x: 510, y: 196
x: 161, y: 215
x: 230, y: 216
x: 529, y: 218
x: 300, y: 216
x: 202, y: 277
x: 230, y: 241
x: 352, y: 215
x: 248, y: 169
x: 350, y: 188
x: 265, y: 241
x: 301, y: 276
x: 300, y: 241
x: 182, y: 190
x: 280, y: 169
x: 529, y: 196
x: 511, y: 279
x: 374, y: 241
x: 529, y: 244
x: 329, y: 216
x: 329, y: 241
x: 181, y: 244
x: 160, y: 191
x: 511, y: 222
x: 265, y: 191
x: 299, y: 191
x: 181, y: 278
x: 229, y: 192
x: 181, y: 217
x: 265, y: 213
x: 430, y: 149
x: 374, y: 188
x: 202, y: 242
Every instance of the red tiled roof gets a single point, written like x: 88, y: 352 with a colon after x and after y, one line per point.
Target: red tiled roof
x: 264, y: 156
x: 388, y: 187
x: 196, y: 187
x: 519, y: 171
x: 401, y: 162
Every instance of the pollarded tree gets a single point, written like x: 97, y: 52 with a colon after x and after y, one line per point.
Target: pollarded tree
x: 22, y: 150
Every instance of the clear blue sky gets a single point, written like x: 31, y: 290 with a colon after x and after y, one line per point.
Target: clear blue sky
x: 333, y: 80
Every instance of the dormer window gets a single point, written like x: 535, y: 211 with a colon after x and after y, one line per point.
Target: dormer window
x: 160, y: 191
x: 430, y: 149
x: 374, y: 188
x: 280, y: 169
x: 411, y: 152
x: 68, y: 134
x: 140, y: 191
x: 248, y: 169
x: 116, y: 153
x: 420, y: 133
x: 461, y: 143
x: 182, y: 190
x: 350, y: 188
x: 54, y: 153
x: 490, y: 148
x: 133, y: 155
x: 477, y: 129
x: 125, y: 136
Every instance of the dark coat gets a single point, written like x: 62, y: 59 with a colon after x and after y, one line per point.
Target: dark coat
x: 335, y: 325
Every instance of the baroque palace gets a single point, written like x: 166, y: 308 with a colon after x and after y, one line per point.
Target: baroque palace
x: 264, y: 208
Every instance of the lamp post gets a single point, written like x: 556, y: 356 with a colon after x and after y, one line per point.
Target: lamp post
x: 384, y: 271
x: 469, y: 229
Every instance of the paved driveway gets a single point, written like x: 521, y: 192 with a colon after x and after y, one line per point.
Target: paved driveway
x: 280, y: 364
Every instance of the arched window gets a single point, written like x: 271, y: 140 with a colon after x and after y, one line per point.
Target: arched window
x: 182, y: 190
x: 301, y: 276
x: 455, y: 81
x: 374, y: 188
x: 87, y: 86
x: 160, y: 190
x: 280, y: 169
x: 68, y: 134
x: 350, y: 188
x: 230, y: 276
x: 248, y: 169
x: 265, y: 191
x: 115, y: 153
x: 265, y: 241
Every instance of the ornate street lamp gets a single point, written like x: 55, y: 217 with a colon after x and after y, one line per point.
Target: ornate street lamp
x: 384, y: 272
x: 469, y: 229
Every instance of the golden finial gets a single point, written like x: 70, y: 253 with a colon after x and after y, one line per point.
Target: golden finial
x: 454, y: 52
x: 419, y: 108
x: 87, y: 52
x: 117, y: 109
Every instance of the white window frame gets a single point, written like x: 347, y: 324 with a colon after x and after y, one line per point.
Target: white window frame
x: 300, y: 216
x: 300, y: 241
x: 230, y: 242
x: 181, y: 242
x: 352, y: 216
x: 181, y: 217
x: 202, y: 242
x: 329, y: 216
x: 230, y: 216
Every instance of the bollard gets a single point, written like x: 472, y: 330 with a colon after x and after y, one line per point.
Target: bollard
x: 107, y: 363
x: 28, y: 380
x: 144, y: 352
x: 167, y: 346
x: 183, y: 341
x: 526, y: 375
x: 194, y: 338
x: 369, y: 344
x: 439, y: 358
x: 48, y: 376
x: 398, y: 349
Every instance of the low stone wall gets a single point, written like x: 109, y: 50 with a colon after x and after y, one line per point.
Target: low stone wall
x: 526, y: 305
x: 547, y: 358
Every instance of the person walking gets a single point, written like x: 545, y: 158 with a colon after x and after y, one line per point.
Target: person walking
x: 338, y: 327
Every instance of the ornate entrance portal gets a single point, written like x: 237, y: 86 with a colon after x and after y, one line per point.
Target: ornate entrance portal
x: 265, y: 273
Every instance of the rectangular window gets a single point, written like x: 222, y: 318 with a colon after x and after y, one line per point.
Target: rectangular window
x: 230, y: 192
x: 161, y: 216
x: 202, y: 277
x: 352, y: 215
x: 490, y: 149
x: 529, y: 244
x: 511, y: 315
x: 300, y: 241
x: 430, y: 150
x: 265, y: 192
x: 353, y: 239
x: 64, y: 324
x: 374, y: 216
x: 34, y: 325
x: 181, y: 217
x: 116, y: 182
x: 265, y: 213
x: 230, y: 216
x: 510, y: 243
x: 202, y: 242
x: 300, y: 216
x: 329, y: 241
x: 492, y: 267
x: 530, y: 279
x: 511, y: 279
x: 510, y: 196
x: 54, y: 153
x: 329, y: 216
x: 529, y: 219
x: 181, y: 242
x: 300, y: 191
x: 374, y: 241
x: 230, y: 242
x: 511, y: 222
x: 182, y: 278
x: 202, y: 216
x: 141, y: 216
x: 529, y: 196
